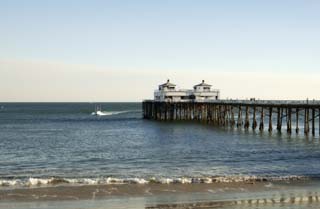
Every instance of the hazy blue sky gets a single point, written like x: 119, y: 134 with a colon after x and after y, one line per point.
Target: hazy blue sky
x: 152, y: 38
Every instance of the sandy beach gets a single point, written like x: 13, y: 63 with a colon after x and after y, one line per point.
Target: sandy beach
x: 214, y: 195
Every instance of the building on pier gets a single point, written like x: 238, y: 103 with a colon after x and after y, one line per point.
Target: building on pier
x: 203, y: 91
x: 169, y: 93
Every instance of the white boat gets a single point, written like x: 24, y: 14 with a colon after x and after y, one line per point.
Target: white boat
x: 98, y: 111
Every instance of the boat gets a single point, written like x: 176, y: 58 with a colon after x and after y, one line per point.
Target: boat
x: 98, y: 111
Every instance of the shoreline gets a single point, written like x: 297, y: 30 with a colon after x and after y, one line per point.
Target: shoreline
x: 105, y: 191
x: 54, y: 181
x: 83, y: 192
x: 165, y: 196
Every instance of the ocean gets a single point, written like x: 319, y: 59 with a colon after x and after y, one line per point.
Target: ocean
x: 50, y: 144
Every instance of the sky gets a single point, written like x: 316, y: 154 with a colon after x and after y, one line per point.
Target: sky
x: 118, y: 50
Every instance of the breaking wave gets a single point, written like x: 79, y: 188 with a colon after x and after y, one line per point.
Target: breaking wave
x: 111, y: 180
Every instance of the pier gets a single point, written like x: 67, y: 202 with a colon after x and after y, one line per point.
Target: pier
x: 264, y: 115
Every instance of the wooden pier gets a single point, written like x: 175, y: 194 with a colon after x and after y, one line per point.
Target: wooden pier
x: 241, y: 113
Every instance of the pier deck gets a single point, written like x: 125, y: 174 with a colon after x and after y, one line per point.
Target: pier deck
x: 241, y: 113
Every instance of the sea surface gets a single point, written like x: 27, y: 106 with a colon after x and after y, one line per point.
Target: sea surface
x: 47, y: 143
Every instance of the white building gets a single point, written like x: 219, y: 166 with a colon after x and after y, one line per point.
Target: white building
x: 168, y: 92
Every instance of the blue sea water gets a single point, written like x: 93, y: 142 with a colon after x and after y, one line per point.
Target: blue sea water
x: 39, y: 141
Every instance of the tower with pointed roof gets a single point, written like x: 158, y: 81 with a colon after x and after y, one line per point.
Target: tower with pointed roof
x: 167, y: 86
x: 203, y: 91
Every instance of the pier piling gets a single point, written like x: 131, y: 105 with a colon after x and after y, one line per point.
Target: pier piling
x: 313, y: 122
x: 289, y: 124
x: 306, y: 121
x: 261, y: 126
x: 229, y: 113
x: 279, y: 119
x: 297, y: 120
x: 254, y: 120
x: 247, y: 122
x: 239, y: 122
x: 270, y: 119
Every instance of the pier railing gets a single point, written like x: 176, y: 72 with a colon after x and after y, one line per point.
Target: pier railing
x: 251, y: 102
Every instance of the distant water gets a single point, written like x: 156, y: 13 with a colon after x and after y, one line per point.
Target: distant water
x: 45, y: 142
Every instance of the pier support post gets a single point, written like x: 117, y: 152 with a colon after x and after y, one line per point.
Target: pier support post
x: 223, y: 115
x: 297, y: 120
x: 163, y: 111
x: 187, y: 111
x: 227, y: 115
x: 270, y: 120
x: 261, y: 126
x: 279, y: 119
x: 247, y: 123
x: 208, y: 113
x: 173, y: 108
x: 313, y: 122
x: 239, y: 122
x: 254, y: 120
x: 144, y: 106
x: 156, y: 110
x: 166, y: 111
x: 232, y: 117
x: 152, y: 110
x: 213, y: 114
x: 289, y: 123
x: 202, y: 112
x: 219, y: 114
x: 306, y: 121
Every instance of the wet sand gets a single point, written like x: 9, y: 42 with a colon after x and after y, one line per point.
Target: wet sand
x: 161, y: 196
x: 67, y: 192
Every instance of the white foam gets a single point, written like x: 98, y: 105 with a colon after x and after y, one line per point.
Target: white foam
x: 90, y: 181
x: 185, y: 180
x: 111, y: 180
x: 32, y: 181
x: 9, y: 182
x: 166, y: 181
x: 38, y: 181
x: 137, y: 180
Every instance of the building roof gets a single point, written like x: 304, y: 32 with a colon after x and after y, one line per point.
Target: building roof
x: 168, y: 84
x: 203, y: 84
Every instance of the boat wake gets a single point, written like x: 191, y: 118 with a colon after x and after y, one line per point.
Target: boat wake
x: 107, y: 113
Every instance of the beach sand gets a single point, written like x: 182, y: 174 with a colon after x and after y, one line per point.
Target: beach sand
x: 215, y: 195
